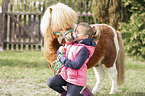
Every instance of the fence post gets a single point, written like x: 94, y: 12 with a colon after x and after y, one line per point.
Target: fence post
x: 5, y: 5
x: 3, y: 22
x: 1, y: 32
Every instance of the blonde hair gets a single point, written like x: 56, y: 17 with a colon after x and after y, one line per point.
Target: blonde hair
x: 59, y: 17
x: 63, y: 16
x: 87, y: 29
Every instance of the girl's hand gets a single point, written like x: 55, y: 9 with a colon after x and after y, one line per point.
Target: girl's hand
x: 61, y: 49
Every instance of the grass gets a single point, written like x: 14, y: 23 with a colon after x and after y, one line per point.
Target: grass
x: 26, y: 73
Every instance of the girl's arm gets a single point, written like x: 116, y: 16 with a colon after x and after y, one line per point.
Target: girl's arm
x: 80, y: 59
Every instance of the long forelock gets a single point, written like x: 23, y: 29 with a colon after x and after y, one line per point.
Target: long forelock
x: 63, y: 17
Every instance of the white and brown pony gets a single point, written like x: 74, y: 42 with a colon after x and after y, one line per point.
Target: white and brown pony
x: 60, y: 18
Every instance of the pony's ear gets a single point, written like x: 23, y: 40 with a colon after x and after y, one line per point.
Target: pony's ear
x: 50, y: 10
x: 96, y: 31
x: 93, y: 29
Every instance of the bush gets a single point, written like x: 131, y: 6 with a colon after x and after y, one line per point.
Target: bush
x: 133, y: 31
x: 133, y: 34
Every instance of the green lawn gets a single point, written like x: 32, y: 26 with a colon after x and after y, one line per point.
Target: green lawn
x: 26, y: 73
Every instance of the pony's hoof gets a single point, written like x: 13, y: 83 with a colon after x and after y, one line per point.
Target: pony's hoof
x: 95, y: 92
x: 113, y: 92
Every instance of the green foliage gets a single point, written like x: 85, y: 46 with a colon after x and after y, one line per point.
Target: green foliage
x: 134, y: 30
x: 137, y: 6
x: 0, y: 2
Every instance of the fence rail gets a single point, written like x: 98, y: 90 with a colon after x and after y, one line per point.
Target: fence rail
x: 20, y: 22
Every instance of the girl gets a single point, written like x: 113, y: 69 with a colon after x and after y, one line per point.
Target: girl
x: 74, y: 70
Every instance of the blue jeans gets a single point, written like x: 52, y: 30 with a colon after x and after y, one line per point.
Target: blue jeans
x: 56, y: 83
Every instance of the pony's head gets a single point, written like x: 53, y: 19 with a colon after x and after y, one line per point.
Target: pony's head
x: 66, y: 36
x: 59, y: 18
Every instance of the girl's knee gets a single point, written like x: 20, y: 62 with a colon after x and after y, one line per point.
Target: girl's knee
x: 50, y: 83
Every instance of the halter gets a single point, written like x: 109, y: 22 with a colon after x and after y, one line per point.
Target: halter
x: 57, y: 65
x: 64, y: 34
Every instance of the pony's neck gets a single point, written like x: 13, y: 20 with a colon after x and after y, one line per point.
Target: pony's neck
x: 49, y: 33
x: 51, y: 44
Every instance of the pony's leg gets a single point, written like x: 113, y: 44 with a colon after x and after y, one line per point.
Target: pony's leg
x: 100, y: 74
x: 112, y: 71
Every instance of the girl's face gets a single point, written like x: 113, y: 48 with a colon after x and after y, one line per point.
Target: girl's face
x: 80, y: 33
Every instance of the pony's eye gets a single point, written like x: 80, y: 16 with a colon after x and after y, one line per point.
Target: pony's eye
x: 77, y: 32
x: 57, y: 35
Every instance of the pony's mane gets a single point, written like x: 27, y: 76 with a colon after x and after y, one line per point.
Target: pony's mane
x: 59, y: 17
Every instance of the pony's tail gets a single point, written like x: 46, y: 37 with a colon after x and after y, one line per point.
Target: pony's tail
x: 120, y: 60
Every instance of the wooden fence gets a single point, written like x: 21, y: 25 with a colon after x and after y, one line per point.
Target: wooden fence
x: 1, y: 32
x: 20, y: 22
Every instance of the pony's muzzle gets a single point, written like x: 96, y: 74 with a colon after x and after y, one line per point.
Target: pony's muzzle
x: 70, y: 37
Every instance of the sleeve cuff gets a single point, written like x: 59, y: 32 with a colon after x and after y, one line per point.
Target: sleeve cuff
x: 62, y: 59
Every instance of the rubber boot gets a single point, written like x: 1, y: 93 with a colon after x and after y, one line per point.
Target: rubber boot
x: 63, y: 94
x: 87, y: 92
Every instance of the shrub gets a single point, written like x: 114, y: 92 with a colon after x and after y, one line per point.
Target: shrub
x: 133, y: 31
x: 133, y: 34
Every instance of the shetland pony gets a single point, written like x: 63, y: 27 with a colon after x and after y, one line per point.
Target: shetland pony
x: 60, y: 19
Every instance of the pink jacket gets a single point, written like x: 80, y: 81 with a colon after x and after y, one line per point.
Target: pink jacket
x: 76, y: 77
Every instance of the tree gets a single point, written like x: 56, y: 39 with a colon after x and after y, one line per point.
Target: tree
x: 108, y: 11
